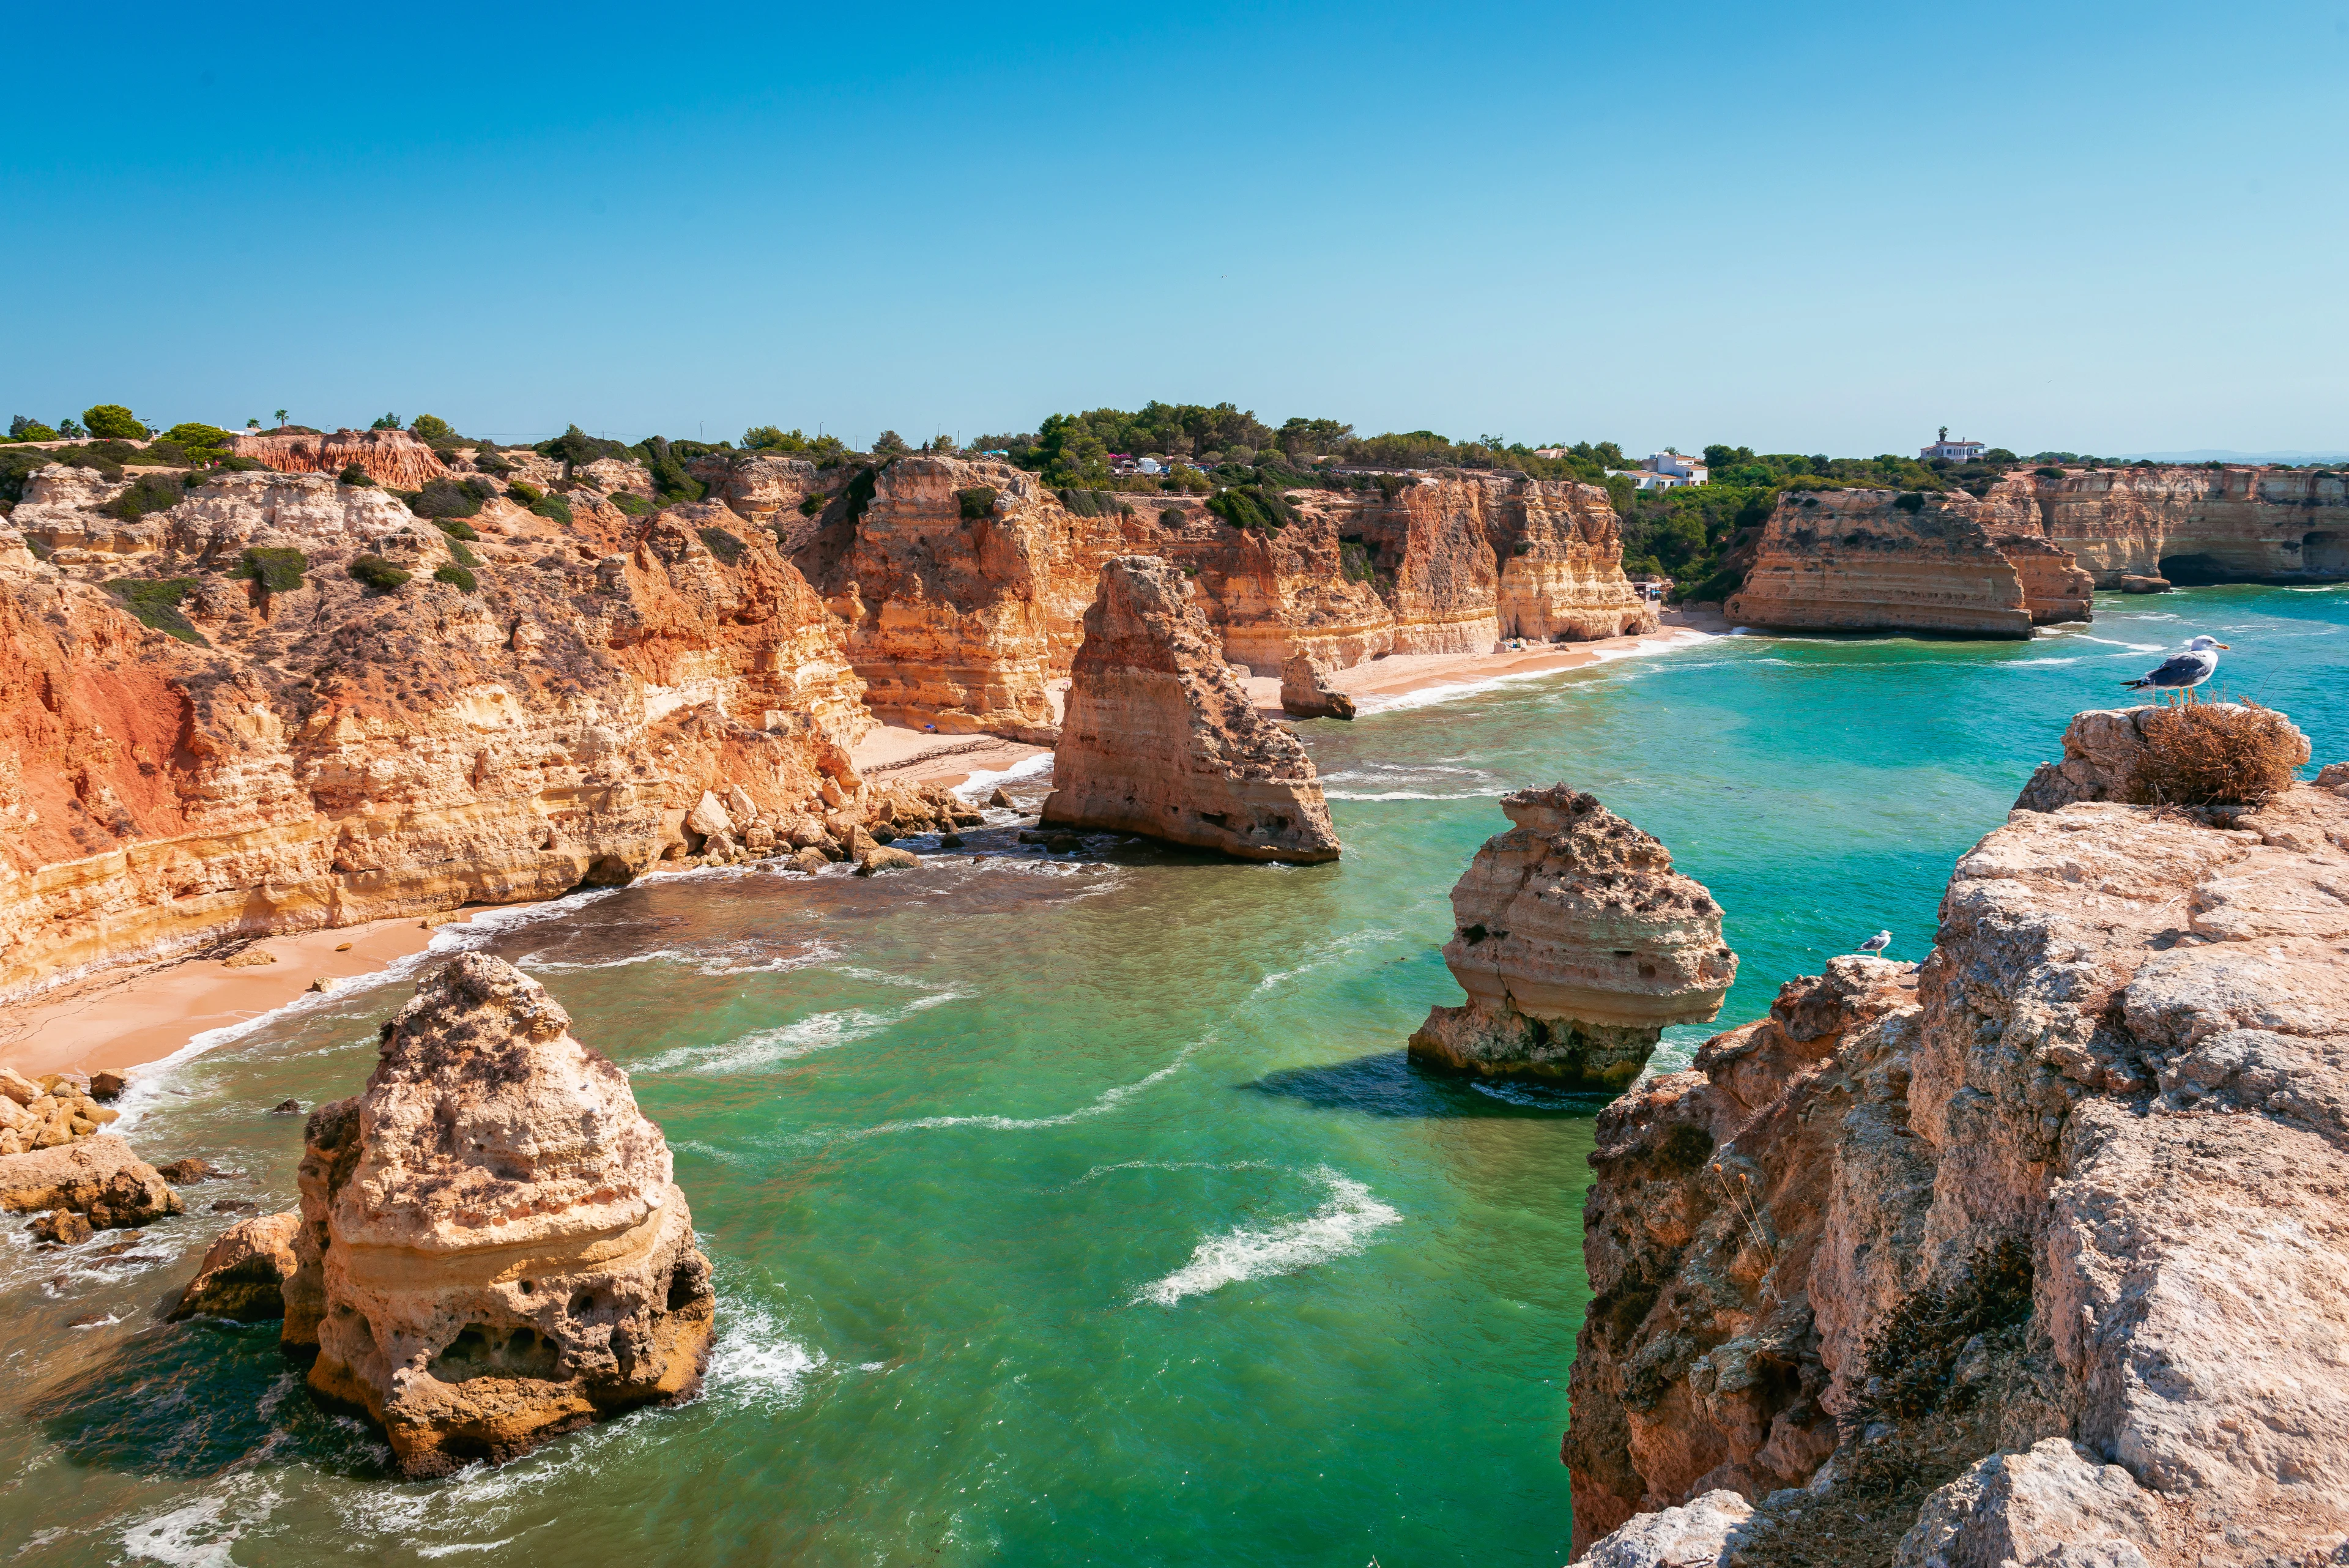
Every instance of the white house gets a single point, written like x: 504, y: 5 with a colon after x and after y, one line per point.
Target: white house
x: 1954, y: 450
x: 1648, y: 479
x: 1686, y: 469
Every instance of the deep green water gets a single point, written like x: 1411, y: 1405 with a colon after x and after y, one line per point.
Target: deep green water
x: 1086, y: 1212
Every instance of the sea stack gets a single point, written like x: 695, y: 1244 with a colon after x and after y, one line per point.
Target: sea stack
x: 1577, y: 943
x: 1160, y: 740
x: 492, y: 1251
x: 1306, y: 692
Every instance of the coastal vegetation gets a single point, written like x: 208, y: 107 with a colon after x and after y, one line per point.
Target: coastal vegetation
x: 278, y: 570
x: 154, y: 602
x: 373, y: 571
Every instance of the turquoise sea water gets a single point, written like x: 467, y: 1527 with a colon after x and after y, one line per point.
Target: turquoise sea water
x: 1086, y: 1211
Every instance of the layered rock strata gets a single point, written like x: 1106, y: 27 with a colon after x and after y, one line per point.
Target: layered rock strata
x: 1161, y: 740
x: 1856, y: 561
x: 1577, y: 943
x: 492, y: 1249
x: 1306, y: 692
x: 959, y: 584
x: 197, y: 748
x: 2043, y: 1252
x: 394, y: 458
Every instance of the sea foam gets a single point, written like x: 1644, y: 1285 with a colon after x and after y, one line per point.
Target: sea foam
x: 1341, y: 1227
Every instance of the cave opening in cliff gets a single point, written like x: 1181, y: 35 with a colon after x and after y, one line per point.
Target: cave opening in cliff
x: 2196, y: 571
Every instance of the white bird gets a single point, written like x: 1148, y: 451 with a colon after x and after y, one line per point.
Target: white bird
x: 1877, y: 943
x: 2182, y: 672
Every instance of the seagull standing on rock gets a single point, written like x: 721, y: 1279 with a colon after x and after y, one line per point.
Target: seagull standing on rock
x: 2182, y: 672
x: 1874, y: 946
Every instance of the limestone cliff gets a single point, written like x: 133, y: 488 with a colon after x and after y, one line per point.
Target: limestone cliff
x: 2036, y: 543
x: 1857, y: 560
x: 960, y: 583
x: 1160, y: 740
x: 2038, y: 1242
x: 1577, y: 942
x: 492, y: 1249
x: 214, y: 729
x: 388, y: 457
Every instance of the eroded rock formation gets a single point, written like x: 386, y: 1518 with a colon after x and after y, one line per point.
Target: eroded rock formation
x: 388, y: 457
x: 1577, y: 943
x: 2056, y: 1236
x: 1306, y: 692
x: 1856, y: 560
x: 244, y: 1271
x: 198, y: 747
x: 1160, y: 739
x: 98, y: 1177
x: 492, y: 1249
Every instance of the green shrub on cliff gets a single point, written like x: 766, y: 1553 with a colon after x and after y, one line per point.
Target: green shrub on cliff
x: 148, y: 492
x: 820, y: 450
x: 722, y: 545
x: 353, y: 475
x: 277, y: 570
x: 630, y: 502
x: 433, y: 431
x: 154, y: 602
x: 456, y: 574
x: 1253, y: 507
x: 456, y: 528
x: 976, y: 503
x: 444, y: 497
x: 553, y: 507
x: 374, y: 572
x: 23, y: 429
x: 461, y: 555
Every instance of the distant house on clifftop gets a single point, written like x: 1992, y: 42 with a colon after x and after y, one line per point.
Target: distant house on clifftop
x: 1665, y: 471
x: 1954, y: 450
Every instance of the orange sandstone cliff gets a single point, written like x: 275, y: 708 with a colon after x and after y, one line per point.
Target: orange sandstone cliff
x: 215, y: 729
x: 388, y: 457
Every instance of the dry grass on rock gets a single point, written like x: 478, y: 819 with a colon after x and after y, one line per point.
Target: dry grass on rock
x: 2211, y: 753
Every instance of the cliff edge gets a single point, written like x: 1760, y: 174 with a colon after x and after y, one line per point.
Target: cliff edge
x: 2036, y: 1246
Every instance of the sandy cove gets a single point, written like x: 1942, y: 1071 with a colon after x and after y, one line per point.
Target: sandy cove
x: 138, y: 1015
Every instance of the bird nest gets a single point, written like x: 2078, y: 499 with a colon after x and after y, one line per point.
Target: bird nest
x: 2213, y: 753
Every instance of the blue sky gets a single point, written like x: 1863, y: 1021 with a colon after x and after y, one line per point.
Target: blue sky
x: 1802, y: 228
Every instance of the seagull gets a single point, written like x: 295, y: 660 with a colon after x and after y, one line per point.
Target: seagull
x: 2182, y: 672
x: 1877, y: 943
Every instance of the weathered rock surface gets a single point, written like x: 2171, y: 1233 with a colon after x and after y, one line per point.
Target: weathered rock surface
x: 2104, y: 1147
x: 98, y: 1177
x: 55, y: 1109
x: 1160, y: 740
x: 388, y: 457
x: 492, y: 1248
x: 331, y: 753
x: 1856, y: 560
x: 1701, y: 1533
x: 244, y: 1271
x: 1306, y: 692
x: 1577, y: 943
x: 2103, y: 749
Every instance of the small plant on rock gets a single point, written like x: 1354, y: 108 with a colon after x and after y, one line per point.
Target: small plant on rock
x: 976, y: 503
x: 353, y: 474
x: 375, y: 572
x: 552, y: 507
x: 456, y: 527
x: 154, y: 602
x: 277, y: 570
x: 148, y: 492
x: 457, y: 577
x: 2214, y: 753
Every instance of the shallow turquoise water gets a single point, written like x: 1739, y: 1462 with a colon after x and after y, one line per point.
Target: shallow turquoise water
x: 1088, y: 1212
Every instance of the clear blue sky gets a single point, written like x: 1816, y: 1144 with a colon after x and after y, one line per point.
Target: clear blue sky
x: 2099, y: 227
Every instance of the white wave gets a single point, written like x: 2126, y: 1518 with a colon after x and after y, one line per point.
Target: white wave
x: 1673, y: 641
x: 755, y: 1363
x: 1339, y: 1228
x: 984, y: 780
x: 456, y: 1546
x: 1323, y: 954
x: 1402, y: 794
x: 1103, y: 1104
x: 764, y: 1047
x: 1170, y: 1165
x: 198, y: 1534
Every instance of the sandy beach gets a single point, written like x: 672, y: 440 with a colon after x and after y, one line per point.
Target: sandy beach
x: 141, y: 1014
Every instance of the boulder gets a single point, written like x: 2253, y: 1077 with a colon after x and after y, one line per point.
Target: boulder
x: 181, y: 1172
x: 1577, y: 943
x: 880, y: 859
x: 2020, y: 1508
x: 251, y: 958
x: 14, y: 1086
x: 1160, y: 740
x: 808, y: 862
x: 493, y: 1249
x: 244, y: 1274
x: 98, y: 1177
x: 708, y: 819
x: 107, y: 1084
x: 1701, y: 1533
x: 1306, y: 692
x: 2132, y: 584
x: 1000, y: 799
x: 64, y: 1226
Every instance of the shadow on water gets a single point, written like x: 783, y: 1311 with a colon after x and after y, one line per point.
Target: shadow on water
x: 201, y: 1401
x: 1388, y: 1084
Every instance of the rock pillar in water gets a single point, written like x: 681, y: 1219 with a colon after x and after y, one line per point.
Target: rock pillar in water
x: 1160, y: 740
x: 1306, y: 692
x: 1577, y: 943
x: 492, y: 1251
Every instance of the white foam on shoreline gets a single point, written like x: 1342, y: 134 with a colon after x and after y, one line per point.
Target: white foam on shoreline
x: 148, y: 1085
x: 1677, y: 640
x: 765, y: 1047
x: 1341, y: 1227
x: 984, y: 780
